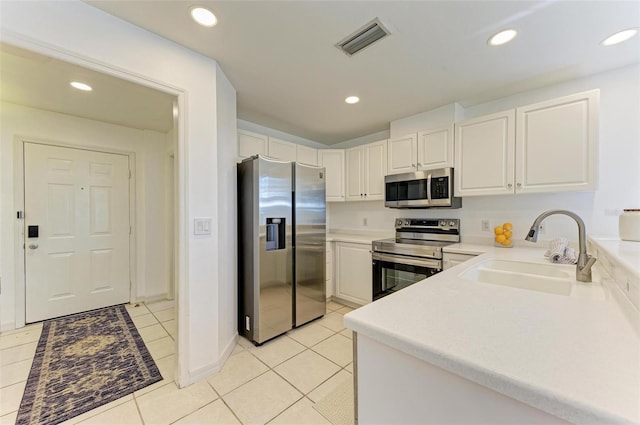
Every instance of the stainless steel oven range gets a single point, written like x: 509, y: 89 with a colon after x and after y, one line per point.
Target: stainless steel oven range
x: 413, y: 255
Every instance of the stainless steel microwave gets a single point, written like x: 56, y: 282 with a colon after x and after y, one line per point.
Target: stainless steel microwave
x: 421, y: 189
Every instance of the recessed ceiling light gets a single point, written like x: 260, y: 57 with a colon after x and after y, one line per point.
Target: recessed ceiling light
x: 352, y: 99
x: 81, y: 86
x: 203, y: 16
x: 502, y: 37
x: 619, y: 37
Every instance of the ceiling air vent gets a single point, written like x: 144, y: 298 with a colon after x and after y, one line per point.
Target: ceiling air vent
x: 364, y: 37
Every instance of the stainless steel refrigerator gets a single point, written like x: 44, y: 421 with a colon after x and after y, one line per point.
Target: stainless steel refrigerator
x: 281, y: 246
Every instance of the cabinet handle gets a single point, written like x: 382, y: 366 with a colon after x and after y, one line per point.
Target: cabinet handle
x: 419, y: 165
x: 509, y: 185
x: 519, y: 184
x: 413, y: 165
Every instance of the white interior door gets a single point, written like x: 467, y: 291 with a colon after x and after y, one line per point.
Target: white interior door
x: 79, y: 201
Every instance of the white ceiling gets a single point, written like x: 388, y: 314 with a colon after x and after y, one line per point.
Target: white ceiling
x: 280, y: 57
x: 42, y: 82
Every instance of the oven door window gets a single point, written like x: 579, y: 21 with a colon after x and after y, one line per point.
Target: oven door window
x: 389, y: 277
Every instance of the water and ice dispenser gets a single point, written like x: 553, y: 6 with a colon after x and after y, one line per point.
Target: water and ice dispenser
x: 275, y: 233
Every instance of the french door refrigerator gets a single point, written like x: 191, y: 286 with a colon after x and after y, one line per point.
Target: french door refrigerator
x: 281, y: 246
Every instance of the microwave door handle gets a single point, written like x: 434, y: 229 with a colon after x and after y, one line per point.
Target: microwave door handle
x: 429, y: 188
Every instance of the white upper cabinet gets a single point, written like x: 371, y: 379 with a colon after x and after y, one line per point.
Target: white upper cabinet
x: 279, y: 149
x: 484, y: 155
x: 306, y: 155
x: 426, y: 150
x: 375, y: 167
x: 435, y: 148
x: 366, y: 166
x: 555, y: 148
x: 250, y: 144
x: 333, y: 162
x: 557, y: 144
x: 355, y: 173
x: 402, y: 155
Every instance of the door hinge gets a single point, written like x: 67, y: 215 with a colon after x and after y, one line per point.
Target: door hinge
x: 129, y: 229
x: 129, y: 173
x: 19, y: 215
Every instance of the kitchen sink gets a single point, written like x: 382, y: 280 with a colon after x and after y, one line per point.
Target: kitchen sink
x: 552, y: 279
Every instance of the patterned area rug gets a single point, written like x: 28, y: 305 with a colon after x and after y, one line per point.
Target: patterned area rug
x: 337, y: 406
x: 82, y: 362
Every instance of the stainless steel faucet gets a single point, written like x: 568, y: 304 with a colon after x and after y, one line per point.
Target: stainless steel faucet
x: 585, y: 261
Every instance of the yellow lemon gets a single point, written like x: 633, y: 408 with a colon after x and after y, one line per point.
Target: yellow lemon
x: 506, y: 242
x: 498, y: 230
x: 508, y: 233
x: 507, y: 226
x: 501, y: 239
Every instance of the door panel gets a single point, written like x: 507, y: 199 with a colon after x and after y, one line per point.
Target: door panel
x: 80, y: 259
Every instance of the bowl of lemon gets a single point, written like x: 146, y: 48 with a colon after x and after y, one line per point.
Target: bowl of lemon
x: 503, y: 235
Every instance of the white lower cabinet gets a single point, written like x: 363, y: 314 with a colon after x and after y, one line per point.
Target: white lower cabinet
x: 353, y: 272
x: 451, y: 259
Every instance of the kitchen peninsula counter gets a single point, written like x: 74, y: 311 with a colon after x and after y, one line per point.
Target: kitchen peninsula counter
x: 569, y: 358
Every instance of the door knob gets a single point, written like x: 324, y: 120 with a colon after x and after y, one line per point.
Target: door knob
x: 33, y: 246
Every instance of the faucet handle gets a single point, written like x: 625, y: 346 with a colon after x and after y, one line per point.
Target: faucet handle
x: 590, y: 262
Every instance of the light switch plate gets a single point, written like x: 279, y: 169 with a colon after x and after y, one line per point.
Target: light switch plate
x: 202, y: 226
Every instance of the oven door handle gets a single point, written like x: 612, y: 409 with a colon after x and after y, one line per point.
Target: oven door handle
x: 412, y: 261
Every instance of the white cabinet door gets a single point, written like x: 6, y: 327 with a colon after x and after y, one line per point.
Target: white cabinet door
x: 279, y: 149
x: 435, y: 148
x: 333, y: 162
x: 375, y: 166
x: 250, y: 144
x: 402, y: 154
x: 484, y: 153
x: 306, y: 155
x: 355, y: 173
x: 353, y: 272
x: 557, y: 144
x: 329, y: 272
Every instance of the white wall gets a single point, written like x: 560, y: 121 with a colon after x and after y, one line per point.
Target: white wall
x: 79, y: 33
x: 227, y: 214
x: 619, y: 172
x: 444, y: 115
x: 148, y: 146
x: 369, y: 138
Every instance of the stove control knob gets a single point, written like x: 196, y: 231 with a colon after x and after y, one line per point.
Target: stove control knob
x: 443, y: 223
x: 407, y: 222
x: 452, y: 223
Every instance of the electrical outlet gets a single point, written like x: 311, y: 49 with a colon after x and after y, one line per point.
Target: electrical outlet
x: 486, y: 227
x: 364, y: 221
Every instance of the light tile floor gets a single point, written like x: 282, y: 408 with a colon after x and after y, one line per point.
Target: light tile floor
x: 277, y: 383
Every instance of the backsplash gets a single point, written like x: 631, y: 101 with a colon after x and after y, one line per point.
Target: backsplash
x: 618, y: 258
x: 520, y: 210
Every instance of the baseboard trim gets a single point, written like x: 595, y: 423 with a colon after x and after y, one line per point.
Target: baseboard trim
x: 10, y: 326
x: 207, y: 371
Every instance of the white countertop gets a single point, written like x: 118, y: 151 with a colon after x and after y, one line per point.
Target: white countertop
x: 576, y: 357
